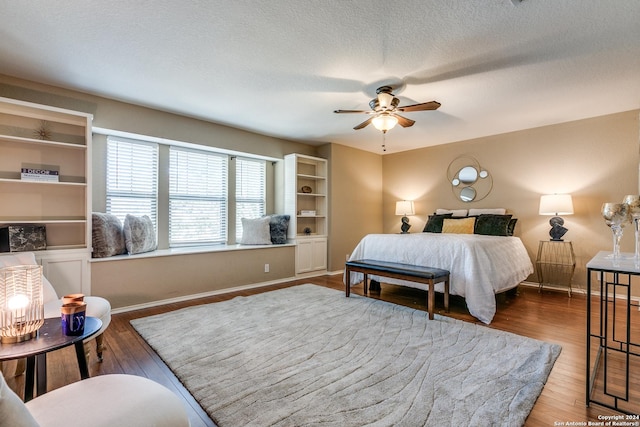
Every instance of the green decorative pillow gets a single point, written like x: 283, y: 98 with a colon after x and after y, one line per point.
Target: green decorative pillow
x: 512, y: 226
x: 434, y: 223
x: 492, y: 225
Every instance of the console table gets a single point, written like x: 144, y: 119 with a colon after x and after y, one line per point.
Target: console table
x: 613, y: 348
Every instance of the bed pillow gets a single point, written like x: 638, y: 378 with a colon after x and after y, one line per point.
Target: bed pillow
x: 458, y: 225
x: 256, y: 231
x: 139, y: 234
x: 493, y: 225
x: 278, y: 226
x: 497, y: 211
x: 511, y: 228
x: 434, y: 223
x: 107, y: 236
x: 456, y: 213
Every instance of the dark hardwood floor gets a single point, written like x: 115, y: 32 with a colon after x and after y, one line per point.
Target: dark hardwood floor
x: 550, y: 316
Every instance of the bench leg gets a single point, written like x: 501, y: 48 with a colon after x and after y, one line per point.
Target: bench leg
x: 364, y: 283
x: 431, y: 300
x: 347, y: 286
x: 446, y: 295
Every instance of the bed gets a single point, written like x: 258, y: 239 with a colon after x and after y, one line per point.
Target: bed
x: 480, y: 265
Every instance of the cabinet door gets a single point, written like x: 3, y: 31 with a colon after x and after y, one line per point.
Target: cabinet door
x: 68, y: 271
x: 304, y: 256
x: 319, y: 254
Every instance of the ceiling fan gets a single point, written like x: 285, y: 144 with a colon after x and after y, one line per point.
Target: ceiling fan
x: 384, y: 111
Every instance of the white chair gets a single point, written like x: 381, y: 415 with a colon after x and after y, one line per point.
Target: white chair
x: 96, y: 306
x: 102, y: 401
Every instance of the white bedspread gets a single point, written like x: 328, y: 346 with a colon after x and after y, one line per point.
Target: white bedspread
x: 480, y: 266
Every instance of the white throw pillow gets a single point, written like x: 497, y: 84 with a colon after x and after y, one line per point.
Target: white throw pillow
x: 256, y: 231
x: 456, y: 213
x: 476, y: 212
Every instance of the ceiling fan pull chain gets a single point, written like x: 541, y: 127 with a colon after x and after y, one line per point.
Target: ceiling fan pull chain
x: 384, y: 141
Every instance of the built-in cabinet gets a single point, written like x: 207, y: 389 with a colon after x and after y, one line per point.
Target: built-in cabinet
x: 41, y: 137
x: 306, y: 201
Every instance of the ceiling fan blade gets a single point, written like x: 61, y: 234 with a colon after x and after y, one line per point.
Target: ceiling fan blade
x: 403, y: 121
x: 363, y: 124
x: 433, y: 105
x: 351, y: 111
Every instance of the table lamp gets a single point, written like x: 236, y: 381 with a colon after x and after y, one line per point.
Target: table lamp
x: 21, y: 303
x: 405, y: 208
x: 556, y: 205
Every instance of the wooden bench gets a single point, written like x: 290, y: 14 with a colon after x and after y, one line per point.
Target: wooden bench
x: 411, y: 273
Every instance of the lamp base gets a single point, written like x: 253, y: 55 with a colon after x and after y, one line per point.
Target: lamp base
x: 557, y: 229
x: 19, y: 338
x: 405, y: 225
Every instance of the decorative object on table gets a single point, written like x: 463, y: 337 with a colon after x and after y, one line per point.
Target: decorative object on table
x: 556, y: 205
x: 21, y: 302
x: 404, y: 208
x: 616, y: 216
x: 633, y: 203
x: 306, y: 189
x: 307, y: 230
x: 23, y: 238
x: 469, y: 181
x: 43, y: 131
x: 73, y: 315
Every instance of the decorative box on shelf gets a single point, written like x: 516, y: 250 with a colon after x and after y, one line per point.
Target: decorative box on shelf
x: 23, y: 238
x: 42, y: 175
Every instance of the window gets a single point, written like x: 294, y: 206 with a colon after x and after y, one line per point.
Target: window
x: 132, y: 178
x: 197, y: 197
x: 250, y: 191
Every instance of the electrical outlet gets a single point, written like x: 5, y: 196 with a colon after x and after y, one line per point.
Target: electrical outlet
x: 266, y: 268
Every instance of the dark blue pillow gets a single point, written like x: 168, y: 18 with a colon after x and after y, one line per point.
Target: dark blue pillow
x: 278, y: 226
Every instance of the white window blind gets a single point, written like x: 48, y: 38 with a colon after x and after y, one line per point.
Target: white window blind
x: 197, y: 197
x: 132, y: 178
x: 250, y: 190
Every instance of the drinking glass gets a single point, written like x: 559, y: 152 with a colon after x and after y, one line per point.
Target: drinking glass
x: 633, y: 203
x: 616, y: 216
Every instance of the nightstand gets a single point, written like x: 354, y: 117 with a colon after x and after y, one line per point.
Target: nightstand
x: 556, y: 263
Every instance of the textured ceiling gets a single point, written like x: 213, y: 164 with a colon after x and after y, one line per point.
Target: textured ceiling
x: 281, y: 67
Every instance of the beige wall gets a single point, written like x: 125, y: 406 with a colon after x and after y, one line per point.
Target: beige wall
x: 595, y: 160
x: 355, y: 190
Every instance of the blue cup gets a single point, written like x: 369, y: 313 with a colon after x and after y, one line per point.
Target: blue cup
x: 73, y: 315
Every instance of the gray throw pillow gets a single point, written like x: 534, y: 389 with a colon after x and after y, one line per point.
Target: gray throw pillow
x: 139, y: 234
x: 107, y: 237
x: 278, y: 225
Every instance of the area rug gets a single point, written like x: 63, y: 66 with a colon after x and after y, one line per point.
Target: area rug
x: 309, y: 356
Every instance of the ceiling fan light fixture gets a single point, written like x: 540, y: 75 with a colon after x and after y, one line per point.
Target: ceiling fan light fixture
x: 384, y: 122
x: 384, y: 100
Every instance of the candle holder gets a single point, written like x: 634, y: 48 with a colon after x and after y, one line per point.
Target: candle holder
x: 616, y: 216
x: 21, y: 303
x: 633, y: 204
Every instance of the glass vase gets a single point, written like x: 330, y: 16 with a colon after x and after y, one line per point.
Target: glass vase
x: 616, y: 216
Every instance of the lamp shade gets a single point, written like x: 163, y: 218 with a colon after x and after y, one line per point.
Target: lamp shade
x: 404, y: 208
x: 556, y: 204
x: 384, y: 122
